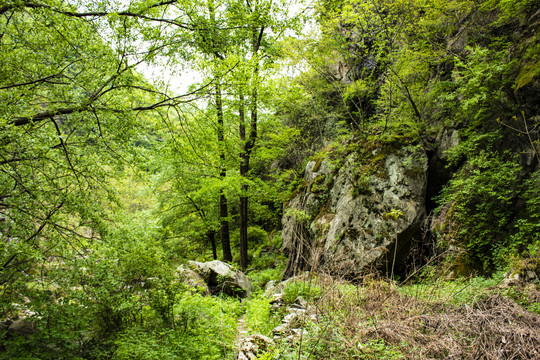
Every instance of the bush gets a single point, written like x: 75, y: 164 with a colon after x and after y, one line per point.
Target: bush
x: 260, y: 278
x: 307, y: 290
x: 527, y: 236
x: 481, y: 199
x: 204, y: 328
x: 258, y: 316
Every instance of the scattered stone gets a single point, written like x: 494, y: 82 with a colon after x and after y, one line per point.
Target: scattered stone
x: 292, y: 323
x: 300, y: 303
x: 277, y: 289
x: 250, y: 347
x: 277, y: 298
x: 293, y: 320
x: 269, y: 285
x: 222, y: 277
x: 524, y: 273
x: 280, y: 329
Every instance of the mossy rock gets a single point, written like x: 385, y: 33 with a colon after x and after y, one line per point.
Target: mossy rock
x: 318, y: 185
x: 462, y: 266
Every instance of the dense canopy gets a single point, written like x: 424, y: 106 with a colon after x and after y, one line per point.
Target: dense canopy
x: 137, y: 135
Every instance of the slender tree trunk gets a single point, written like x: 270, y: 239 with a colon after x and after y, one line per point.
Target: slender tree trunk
x: 225, y: 238
x: 248, y: 145
x: 211, y: 236
x: 223, y: 208
x: 244, y: 167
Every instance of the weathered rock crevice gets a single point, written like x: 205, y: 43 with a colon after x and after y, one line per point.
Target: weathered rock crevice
x: 349, y: 215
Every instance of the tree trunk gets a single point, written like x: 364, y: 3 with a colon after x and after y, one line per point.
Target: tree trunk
x: 248, y: 147
x: 211, y: 236
x: 223, y: 208
x: 244, y: 167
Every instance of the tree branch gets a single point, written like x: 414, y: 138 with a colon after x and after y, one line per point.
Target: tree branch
x: 43, y: 79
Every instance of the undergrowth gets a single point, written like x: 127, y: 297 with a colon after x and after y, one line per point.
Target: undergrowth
x: 379, y: 319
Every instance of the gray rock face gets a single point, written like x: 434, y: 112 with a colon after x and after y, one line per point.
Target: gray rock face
x: 193, y: 279
x: 349, y: 219
x: 22, y: 327
x: 222, y: 277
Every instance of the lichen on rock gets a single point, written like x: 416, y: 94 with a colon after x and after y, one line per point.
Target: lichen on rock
x: 375, y: 200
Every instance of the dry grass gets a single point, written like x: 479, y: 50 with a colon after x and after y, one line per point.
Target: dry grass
x: 415, y: 327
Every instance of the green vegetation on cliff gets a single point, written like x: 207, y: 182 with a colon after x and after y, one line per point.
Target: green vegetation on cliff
x: 110, y: 179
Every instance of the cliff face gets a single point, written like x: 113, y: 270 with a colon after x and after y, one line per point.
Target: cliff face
x: 350, y: 213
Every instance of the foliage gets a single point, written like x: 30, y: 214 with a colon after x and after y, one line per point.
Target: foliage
x: 380, y: 319
x: 259, y: 318
x: 262, y: 277
x: 204, y: 329
x: 481, y: 199
x: 308, y: 290
x: 267, y: 263
x: 482, y: 84
x: 527, y: 226
x: 457, y: 292
x: 109, y: 181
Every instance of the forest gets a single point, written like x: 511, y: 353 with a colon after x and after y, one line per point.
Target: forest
x: 269, y: 179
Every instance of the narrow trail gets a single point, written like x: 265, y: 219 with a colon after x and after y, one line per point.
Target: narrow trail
x: 242, y: 334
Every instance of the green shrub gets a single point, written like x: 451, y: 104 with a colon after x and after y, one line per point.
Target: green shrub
x: 259, y: 279
x: 258, y: 316
x: 204, y: 328
x: 138, y: 343
x: 256, y: 235
x: 457, y: 292
x: 481, y: 200
x: 378, y: 349
x: 308, y: 290
x: 527, y: 236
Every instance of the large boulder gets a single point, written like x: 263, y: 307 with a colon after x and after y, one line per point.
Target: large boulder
x: 192, y: 279
x: 22, y: 327
x: 222, y: 278
x: 357, y: 213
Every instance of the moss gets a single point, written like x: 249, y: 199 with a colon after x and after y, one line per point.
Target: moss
x: 318, y: 161
x: 322, y: 228
x: 462, y: 266
x: 414, y: 172
x: 318, y: 184
x: 361, y: 186
x: 300, y: 188
x: 323, y: 210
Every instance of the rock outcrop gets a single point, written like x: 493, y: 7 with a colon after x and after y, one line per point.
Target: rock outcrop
x: 193, y: 280
x: 22, y: 327
x: 222, y: 278
x: 358, y: 213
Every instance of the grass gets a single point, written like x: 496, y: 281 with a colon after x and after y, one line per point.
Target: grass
x: 441, y: 319
x: 456, y: 292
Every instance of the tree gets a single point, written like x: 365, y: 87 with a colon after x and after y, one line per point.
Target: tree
x: 72, y: 104
x: 230, y: 39
x: 257, y: 33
